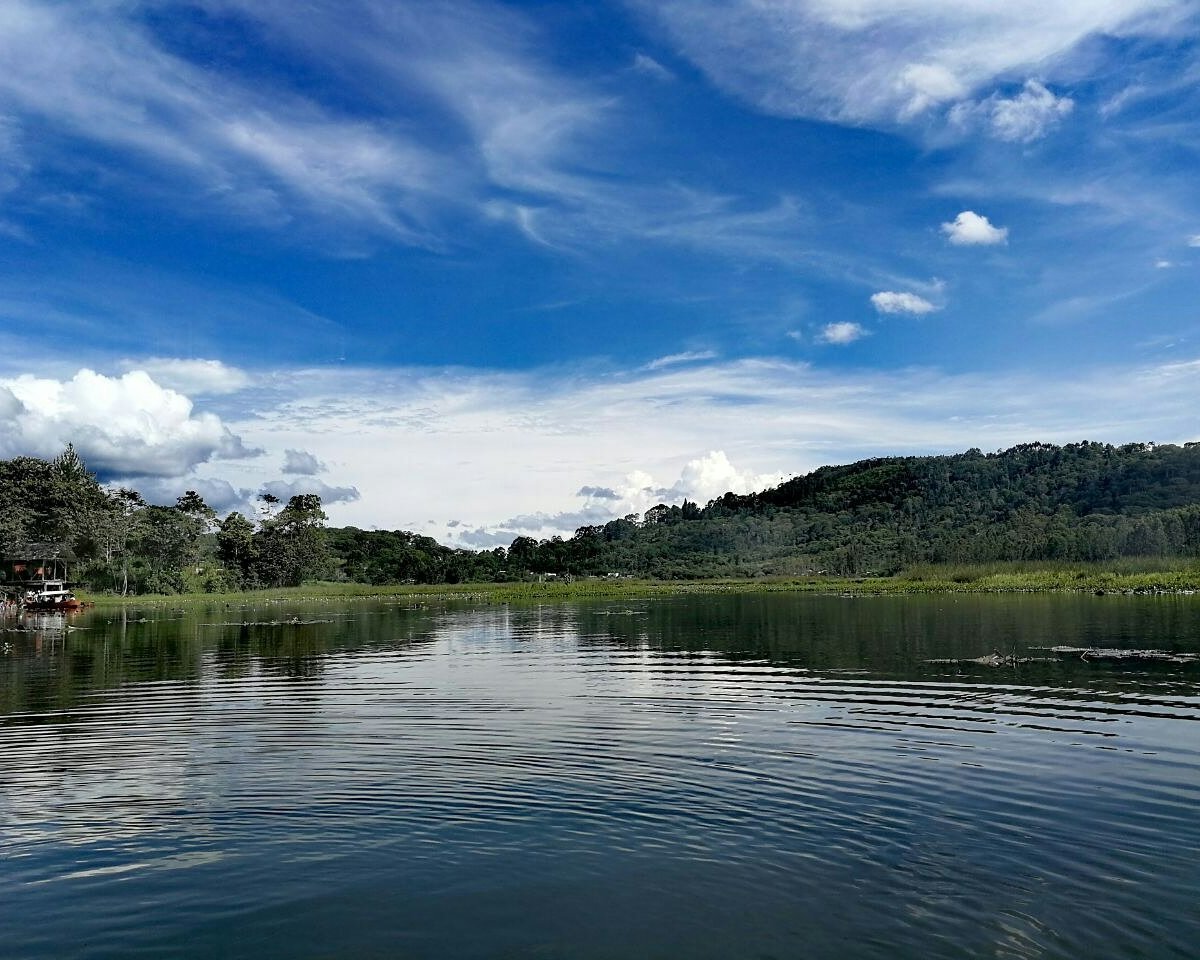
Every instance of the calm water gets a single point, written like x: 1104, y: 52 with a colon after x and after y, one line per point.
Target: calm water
x: 725, y: 777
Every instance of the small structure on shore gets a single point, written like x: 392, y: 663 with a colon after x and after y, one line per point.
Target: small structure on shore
x: 36, y: 578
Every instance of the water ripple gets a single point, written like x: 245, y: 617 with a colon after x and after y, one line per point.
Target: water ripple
x: 323, y: 784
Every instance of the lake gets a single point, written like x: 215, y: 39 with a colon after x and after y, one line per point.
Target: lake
x: 744, y: 776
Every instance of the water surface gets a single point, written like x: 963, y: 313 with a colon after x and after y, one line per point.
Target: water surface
x: 745, y: 776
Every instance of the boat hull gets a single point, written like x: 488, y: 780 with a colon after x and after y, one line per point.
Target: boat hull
x: 52, y: 605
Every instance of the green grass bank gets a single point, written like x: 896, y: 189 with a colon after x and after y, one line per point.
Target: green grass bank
x: 1123, y: 577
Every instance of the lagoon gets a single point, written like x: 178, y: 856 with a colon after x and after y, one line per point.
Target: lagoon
x: 702, y: 776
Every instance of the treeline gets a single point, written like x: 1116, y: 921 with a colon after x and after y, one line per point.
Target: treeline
x: 1034, y: 502
x: 117, y: 542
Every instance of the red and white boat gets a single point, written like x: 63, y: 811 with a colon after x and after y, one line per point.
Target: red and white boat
x: 49, y: 595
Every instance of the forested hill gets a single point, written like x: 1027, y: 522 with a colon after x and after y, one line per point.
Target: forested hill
x: 1085, y: 501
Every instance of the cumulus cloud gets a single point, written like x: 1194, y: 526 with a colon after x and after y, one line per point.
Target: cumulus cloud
x: 128, y: 426
x: 841, y: 333
x: 713, y: 475
x: 598, y: 493
x: 328, y: 494
x: 1029, y: 115
x: 10, y: 406
x: 301, y: 462
x: 425, y: 444
x: 701, y: 479
x: 1194, y: 240
x: 484, y: 539
x: 972, y: 229
x: 880, y: 61
x: 221, y: 495
x: 888, y: 301
x: 193, y: 377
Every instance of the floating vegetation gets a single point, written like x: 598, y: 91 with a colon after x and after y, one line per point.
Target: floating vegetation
x: 1112, y: 655
x: 1086, y: 654
x: 293, y: 622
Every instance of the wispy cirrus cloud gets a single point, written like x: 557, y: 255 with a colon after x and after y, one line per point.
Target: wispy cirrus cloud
x: 457, y: 112
x: 878, y: 61
x: 267, y: 154
x: 688, y: 356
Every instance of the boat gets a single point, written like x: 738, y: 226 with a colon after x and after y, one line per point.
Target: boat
x: 36, y: 579
x: 49, y: 595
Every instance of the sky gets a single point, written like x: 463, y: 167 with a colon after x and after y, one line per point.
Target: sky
x: 481, y: 270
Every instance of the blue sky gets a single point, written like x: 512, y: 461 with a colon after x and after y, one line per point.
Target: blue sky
x: 481, y: 269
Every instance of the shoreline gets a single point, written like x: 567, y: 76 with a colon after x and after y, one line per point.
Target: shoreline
x: 1074, y: 580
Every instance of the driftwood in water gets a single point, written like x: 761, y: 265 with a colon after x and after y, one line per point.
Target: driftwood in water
x: 993, y: 659
x: 1122, y: 656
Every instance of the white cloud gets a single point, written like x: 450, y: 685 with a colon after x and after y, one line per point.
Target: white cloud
x: 301, y: 462
x: 454, y: 435
x: 10, y: 406
x: 642, y: 63
x: 867, y: 61
x: 972, y: 229
x: 888, y: 301
x: 841, y: 333
x: 124, y: 426
x: 265, y: 154
x: 193, y: 377
x: 690, y: 356
x: 700, y: 480
x: 516, y: 137
x: 1030, y: 114
x: 1194, y: 240
x: 712, y: 475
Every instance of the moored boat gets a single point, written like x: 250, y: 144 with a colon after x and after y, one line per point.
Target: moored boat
x: 49, y: 595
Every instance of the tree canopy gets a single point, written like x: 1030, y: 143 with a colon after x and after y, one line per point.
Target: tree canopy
x: 1035, y: 501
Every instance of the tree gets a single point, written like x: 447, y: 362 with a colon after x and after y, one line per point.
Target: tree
x: 192, y: 505
x: 165, y: 542
x: 124, y: 507
x: 236, y: 549
x: 291, y: 546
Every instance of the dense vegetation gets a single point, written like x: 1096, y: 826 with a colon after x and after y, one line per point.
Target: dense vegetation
x: 1037, y: 502
x: 1034, y: 502
x: 117, y: 542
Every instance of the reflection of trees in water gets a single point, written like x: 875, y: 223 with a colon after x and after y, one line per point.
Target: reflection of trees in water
x: 52, y: 668
x: 49, y: 670
x: 894, y: 637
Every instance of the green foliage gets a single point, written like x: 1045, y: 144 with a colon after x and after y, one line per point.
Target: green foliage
x: 1036, y: 503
